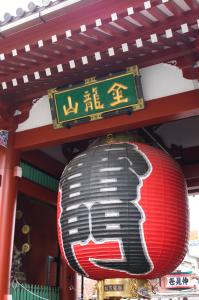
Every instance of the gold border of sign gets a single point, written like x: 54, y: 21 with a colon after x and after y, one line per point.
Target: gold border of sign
x: 134, y: 70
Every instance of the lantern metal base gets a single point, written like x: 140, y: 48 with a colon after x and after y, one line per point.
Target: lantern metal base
x: 123, y: 288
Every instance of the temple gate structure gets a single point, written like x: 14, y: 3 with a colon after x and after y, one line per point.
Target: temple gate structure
x: 63, y: 43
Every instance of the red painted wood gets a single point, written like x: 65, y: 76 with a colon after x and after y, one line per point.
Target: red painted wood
x: 183, y: 38
x: 8, y: 200
x: 43, y: 239
x: 47, y: 57
x: 67, y: 282
x: 44, y: 162
x: 194, y: 192
x: 167, y: 55
x: 193, y: 4
x: 58, y: 26
x: 191, y: 73
x: 186, y: 64
x: 36, y: 191
x: 193, y: 184
x: 190, y: 155
x: 24, y: 92
x: 176, y: 10
x: 72, y: 18
x: 191, y: 171
x: 144, y: 21
x: 158, y: 14
x: 51, y: 55
x: 156, y: 111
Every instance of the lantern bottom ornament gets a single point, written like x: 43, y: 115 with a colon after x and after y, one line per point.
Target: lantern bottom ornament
x: 121, y: 209
x: 123, y: 288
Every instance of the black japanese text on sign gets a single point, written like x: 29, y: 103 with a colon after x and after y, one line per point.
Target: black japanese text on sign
x: 179, y: 281
x: 97, y: 99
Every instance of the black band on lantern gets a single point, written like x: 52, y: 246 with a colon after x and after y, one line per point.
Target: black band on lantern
x: 100, y: 192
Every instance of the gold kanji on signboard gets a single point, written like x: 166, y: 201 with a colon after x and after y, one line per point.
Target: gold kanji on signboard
x: 117, y: 90
x: 92, y: 100
x: 70, y: 108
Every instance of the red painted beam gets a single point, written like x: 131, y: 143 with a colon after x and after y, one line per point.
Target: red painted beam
x: 8, y: 202
x: 191, y: 171
x: 44, y: 162
x: 36, y: 89
x: 72, y: 18
x: 193, y: 4
x: 173, y: 23
x: 158, y: 14
x: 158, y: 111
x: 119, y: 39
x: 193, y: 192
x: 36, y: 191
x: 143, y: 21
x: 193, y: 184
x: 189, y: 155
x: 191, y: 73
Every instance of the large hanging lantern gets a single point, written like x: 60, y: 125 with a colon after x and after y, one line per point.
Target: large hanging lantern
x: 122, y: 212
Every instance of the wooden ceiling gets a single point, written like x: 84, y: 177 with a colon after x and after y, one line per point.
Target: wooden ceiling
x: 93, y: 38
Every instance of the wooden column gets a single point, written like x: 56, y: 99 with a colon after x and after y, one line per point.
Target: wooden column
x: 8, y: 192
x: 67, y: 282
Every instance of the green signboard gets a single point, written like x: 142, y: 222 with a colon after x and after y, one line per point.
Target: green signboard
x: 97, y: 99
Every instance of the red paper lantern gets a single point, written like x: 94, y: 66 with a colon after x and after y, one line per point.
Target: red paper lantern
x: 122, y: 212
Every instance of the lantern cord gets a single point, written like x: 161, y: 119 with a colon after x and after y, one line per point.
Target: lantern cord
x: 82, y: 287
x: 18, y: 283
x: 155, y: 140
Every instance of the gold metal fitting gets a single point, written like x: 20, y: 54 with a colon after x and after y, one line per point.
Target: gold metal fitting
x: 25, y: 229
x: 25, y: 248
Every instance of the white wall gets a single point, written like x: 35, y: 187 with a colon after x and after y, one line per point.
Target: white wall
x: 164, y: 80
x: 157, y: 81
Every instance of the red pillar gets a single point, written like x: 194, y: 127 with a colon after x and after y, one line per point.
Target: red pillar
x: 8, y: 192
x: 67, y: 282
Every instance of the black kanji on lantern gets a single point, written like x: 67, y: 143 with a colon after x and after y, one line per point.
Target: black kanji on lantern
x: 99, y: 193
